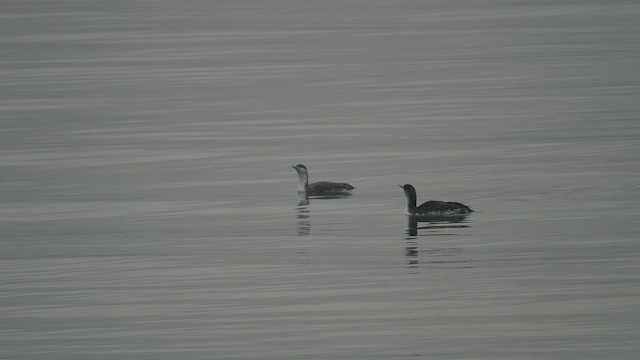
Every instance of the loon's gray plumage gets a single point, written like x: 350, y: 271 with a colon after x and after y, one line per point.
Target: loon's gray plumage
x: 321, y: 187
x: 432, y: 207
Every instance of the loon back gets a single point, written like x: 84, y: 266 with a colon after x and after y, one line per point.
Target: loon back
x: 442, y: 207
x: 327, y: 187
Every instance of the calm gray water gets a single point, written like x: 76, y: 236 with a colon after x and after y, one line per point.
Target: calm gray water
x: 148, y: 207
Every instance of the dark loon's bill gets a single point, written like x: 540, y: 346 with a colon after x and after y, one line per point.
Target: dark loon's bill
x: 321, y: 187
x: 432, y: 207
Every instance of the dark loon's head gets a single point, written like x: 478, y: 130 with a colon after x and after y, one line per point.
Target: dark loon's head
x: 410, y: 194
x: 409, y: 190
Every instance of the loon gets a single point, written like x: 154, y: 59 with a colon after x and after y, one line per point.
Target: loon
x: 318, y: 188
x: 432, y: 207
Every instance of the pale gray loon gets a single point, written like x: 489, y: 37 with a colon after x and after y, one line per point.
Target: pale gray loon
x: 321, y: 187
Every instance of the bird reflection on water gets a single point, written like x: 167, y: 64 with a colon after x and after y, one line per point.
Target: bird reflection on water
x: 332, y: 196
x: 303, y: 214
x: 436, y: 226
x: 303, y: 199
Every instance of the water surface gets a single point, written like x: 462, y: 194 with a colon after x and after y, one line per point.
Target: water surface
x: 148, y: 206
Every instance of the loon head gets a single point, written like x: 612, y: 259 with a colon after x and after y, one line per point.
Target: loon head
x: 409, y: 190
x: 410, y: 194
x: 301, y: 169
x: 303, y: 177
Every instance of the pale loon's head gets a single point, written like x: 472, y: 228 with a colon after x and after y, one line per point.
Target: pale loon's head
x: 303, y: 177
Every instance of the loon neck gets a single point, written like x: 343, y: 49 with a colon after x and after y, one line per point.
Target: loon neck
x: 411, y: 203
x: 303, y: 182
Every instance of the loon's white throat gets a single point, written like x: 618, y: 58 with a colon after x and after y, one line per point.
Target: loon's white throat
x: 303, y: 178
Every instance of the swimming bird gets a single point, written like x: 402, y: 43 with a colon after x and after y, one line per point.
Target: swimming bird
x: 432, y: 207
x: 318, y: 188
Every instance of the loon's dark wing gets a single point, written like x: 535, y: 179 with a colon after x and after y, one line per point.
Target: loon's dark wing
x: 324, y: 187
x: 435, y: 206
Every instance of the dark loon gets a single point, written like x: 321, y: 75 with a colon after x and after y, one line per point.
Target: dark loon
x: 432, y: 207
x: 318, y: 188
